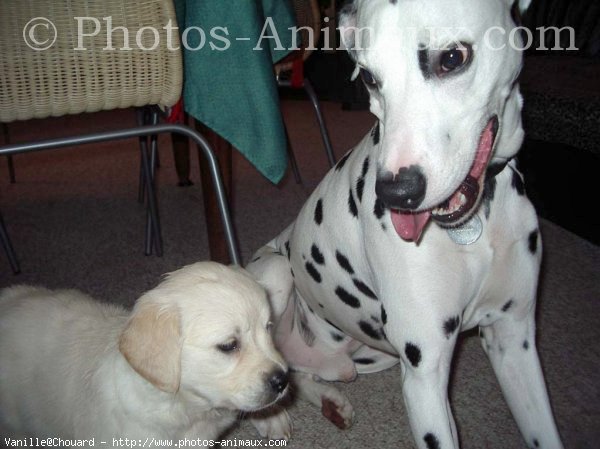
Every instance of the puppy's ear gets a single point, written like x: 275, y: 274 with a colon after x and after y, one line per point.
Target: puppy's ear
x: 151, y: 343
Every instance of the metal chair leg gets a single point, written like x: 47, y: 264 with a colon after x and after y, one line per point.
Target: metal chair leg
x: 147, y: 116
x: 292, y: 156
x: 11, y: 169
x: 141, y: 120
x: 8, y: 248
x: 9, y: 158
x: 153, y: 231
x: 324, y: 134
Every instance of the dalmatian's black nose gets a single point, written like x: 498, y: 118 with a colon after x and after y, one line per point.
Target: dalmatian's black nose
x: 278, y: 380
x: 405, y: 190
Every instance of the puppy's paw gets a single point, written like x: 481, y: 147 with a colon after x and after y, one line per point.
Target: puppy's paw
x: 274, y: 424
x: 337, y: 409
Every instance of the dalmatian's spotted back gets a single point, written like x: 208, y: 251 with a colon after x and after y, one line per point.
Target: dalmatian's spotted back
x: 419, y: 232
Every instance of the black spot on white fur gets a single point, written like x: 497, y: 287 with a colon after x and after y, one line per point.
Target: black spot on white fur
x: 489, y: 190
x: 375, y: 134
x: 319, y: 212
x: 365, y: 167
x: 317, y: 255
x: 517, y: 182
x: 363, y: 361
x: 360, y: 183
x: 314, y: 273
x: 378, y: 208
x: 526, y: 345
x: 369, y: 330
x: 450, y: 325
x: 347, y: 298
x: 507, y: 305
x: 343, y: 161
x: 352, y: 205
x: 360, y: 187
x: 364, y: 289
x: 423, y: 58
x: 533, y: 241
x: 344, y: 262
x: 383, y: 315
x: 413, y: 354
x: 431, y: 441
x: 337, y: 337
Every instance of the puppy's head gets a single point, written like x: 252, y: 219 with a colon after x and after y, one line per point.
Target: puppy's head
x: 204, y: 333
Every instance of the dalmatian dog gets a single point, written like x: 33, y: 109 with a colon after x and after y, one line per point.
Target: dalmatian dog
x: 423, y: 230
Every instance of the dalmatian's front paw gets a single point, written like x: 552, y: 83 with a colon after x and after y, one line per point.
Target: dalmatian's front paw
x: 337, y: 409
x: 274, y: 424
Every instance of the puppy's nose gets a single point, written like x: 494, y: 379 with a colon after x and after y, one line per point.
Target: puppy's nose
x: 278, y: 380
x: 405, y: 190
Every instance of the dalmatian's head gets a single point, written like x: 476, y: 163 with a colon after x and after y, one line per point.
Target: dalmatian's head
x: 441, y: 75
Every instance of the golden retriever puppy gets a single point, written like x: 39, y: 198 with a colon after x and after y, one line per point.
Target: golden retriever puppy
x: 194, y: 352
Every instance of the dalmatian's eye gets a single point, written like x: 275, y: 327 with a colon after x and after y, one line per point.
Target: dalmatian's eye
x: 454, y: 58
x: 368, y: 78
x: 228, y: 347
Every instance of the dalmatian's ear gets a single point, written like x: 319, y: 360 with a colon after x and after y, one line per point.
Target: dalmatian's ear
x: 520, y: 5
x: 517, y: 9
x: 347, y: 27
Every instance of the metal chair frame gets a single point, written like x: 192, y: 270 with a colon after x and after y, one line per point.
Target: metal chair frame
x: 308, y: 16
x: 153, y: 224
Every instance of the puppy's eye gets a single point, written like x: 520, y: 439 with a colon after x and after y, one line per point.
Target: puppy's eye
x: 454, y: 58
x: 269, y: 326
x: 228, y: 347
x: 368, y: 78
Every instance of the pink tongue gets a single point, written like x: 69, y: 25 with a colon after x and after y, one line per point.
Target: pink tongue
x: 409, y: 226
x: 484, y: 150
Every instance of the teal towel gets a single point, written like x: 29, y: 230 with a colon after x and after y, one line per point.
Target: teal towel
x: 233, y: 91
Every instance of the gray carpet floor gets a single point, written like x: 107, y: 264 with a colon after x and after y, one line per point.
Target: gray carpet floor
x: 75, y: 222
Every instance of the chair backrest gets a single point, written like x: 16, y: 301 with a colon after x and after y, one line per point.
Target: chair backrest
x: 87, y: 68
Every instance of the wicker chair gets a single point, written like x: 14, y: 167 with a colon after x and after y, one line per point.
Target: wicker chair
x: 65, y: 79
x: 290, y: 73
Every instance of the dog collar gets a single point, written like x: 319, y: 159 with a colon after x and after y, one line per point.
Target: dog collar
x: 496, y: 167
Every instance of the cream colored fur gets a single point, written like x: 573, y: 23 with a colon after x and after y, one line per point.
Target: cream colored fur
x: 73, y: 367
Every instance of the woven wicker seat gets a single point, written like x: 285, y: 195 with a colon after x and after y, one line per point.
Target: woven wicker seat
x: 64, y: 80
x: 85, y: 71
